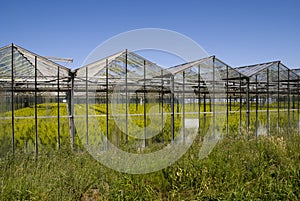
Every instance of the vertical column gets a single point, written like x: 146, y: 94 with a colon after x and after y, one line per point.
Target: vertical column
x: 71, y: 111
x: 241, y: 102
x: 86, y: 108
x: 199, y: 97
x: 145, y: 106
x: 204, y: 104
x: 247, y: 105
x: 232, y: 96
x: 256, y: 106
x: 106, y: 104
x: 183, y: 102
x: 278, y: 101
x: 293, y: 104
x: 12, y: 100
x: 162, y: 103
x: 227, y: 91
x: 298, y: 106
x: 172, y: 107
x: 212, y: 100
x: 288, y: 99
x: 268, y: 103
x: 126, y: 94
x: 35, y: 107
x: 58, y: 109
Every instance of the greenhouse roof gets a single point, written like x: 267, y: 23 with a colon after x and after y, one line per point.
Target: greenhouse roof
x: 179, y: 68
x: 24, y: 64
x: 117, y: 66
x: 206, y: 65
x: 297, y: 71
x: 276, y: 69
x: 251, y: 70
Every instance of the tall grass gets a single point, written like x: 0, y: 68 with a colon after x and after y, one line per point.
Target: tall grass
x: 240, y: 167
x: 266, y: 168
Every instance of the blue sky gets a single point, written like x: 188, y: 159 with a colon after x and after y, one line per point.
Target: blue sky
x: 237, y: 32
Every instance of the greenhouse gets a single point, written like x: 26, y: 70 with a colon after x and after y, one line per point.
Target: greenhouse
x: 126, y: 100
x: 273, y: 98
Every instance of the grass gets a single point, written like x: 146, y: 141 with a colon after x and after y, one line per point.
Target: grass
x: 48, y: 127
x: 240, y: 167
x: 266, y: 168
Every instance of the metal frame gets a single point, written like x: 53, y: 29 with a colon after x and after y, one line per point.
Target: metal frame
x: 27, y: 72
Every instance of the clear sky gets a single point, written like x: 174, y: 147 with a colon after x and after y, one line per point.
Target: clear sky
x: 239, y: 32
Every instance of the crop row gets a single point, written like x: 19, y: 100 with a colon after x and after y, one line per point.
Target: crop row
x: 94, y: 128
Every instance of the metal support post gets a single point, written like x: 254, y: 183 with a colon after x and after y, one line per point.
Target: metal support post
x: 172, y: 108
x: 86, y: 107
x: 248, y: 105
x: 256, y: 106
x: 145, y: 106
x: 12, y: 100
x: 126, y: 94
x: 58, y: 109
x: 106, y: 104
x: 35, y: 107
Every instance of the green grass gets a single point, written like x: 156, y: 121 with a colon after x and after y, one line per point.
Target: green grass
x: 240, y: 167
x: 48, y: 127
x: 267, y: 168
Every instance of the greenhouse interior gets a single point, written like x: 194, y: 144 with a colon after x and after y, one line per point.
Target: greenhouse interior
x: 127, y: 100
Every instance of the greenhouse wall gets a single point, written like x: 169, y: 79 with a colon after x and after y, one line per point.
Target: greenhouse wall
x: 127, y: 101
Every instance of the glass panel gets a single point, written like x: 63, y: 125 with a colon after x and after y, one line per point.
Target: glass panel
x: 5, y: 101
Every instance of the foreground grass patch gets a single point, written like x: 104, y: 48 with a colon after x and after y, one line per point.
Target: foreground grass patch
x: 266, y: 168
